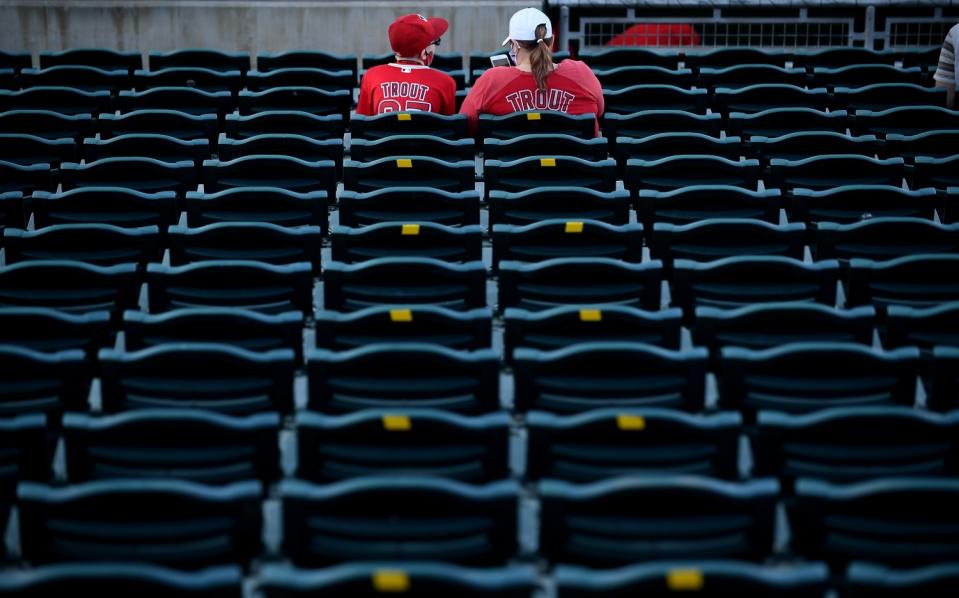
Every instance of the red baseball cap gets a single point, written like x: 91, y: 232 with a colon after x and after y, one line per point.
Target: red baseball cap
x: 411, y: 34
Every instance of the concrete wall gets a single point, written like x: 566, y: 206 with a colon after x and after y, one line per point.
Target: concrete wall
x: 357, y: 26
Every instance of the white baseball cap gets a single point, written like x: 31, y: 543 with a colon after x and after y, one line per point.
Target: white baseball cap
x: 523, y: 24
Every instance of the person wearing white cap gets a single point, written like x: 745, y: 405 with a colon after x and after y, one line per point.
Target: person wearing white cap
x: 536, y: 82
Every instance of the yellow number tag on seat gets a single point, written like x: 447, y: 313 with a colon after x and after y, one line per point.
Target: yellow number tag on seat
x: 404, y: 163
x: 397, y: 423
x: 685, y: 580
x: 533, y: 116
x: 410, y: 230
x: 574, y: 227
x: 590, y: 315
x: 401, y: 315
x: 632, y: 423
x: 404, y: 116
x: 391, y: 581
x: 547, y: 162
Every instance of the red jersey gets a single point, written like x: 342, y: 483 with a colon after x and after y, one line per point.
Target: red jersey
x: 571, y: 88
x: 399, y: 87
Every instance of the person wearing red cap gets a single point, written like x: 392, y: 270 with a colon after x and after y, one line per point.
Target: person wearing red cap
x: 536, y: 82
x: 409, y: 83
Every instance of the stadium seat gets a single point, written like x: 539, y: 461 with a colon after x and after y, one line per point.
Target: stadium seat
x: 945, y: 380
x: 25, y: 455
x: 694, y: 203
x: 310, y: 59
x: 657, y: 517
x: 396, y: 239
x: 24, y: 179
x: 726, y: 57
x: 23, y: 149
x: 258, y: 204
x: 45, y: 329
x: 840, y: 57
x: 758, y: 98
x: 718, y: 238
x: 231, y: 283
x: 808, y: 144
x: 828, y: 171
x: 561, y: 327
x: 570, y: 203
x: 47, y: 124
x: 182, y: 99
x: 882, y: 96
x: 806, y: 377
x: 545, y: 122
x: 366, y: 150
x: 884, y: 238
x: 215, y: 60
x: 848, y: 444
x: 579, y: 281
x: 246, y: 329
x: 940, y: 173
x: 139, y: 174
x: 540, y: 171
x: 623, y: 375
x: 706, y: 578
x: 679, y: 171
x: 419, y: 171
x: 407, y: 123
x: 858, y: 75
x: 404, y: 281
x: 101, y: 244
x: 11, y: 210
x: 68, y: 285
x: 86, y: 78
x: 43, y: 382
x: 781, y: 121
x: 146, y: 145
x: 558, y: 238
x: 63, y: 100
x: 384, y: 324
x: 8, y: 79
x: 608, y: 58
x: 107, y: 205
x: 764, y: 326
x: 403, y: 376
x: 650, y: 122
x: 745, y: 75
x: 271, y: 170
x: 292, y: 122
x: 635, y: 98
x: 869, y: 579
x: 204, y: 79
x: 115, y: 580
x: 321, y: 102
x: 608, y: 443
x: 204, y: 376
x: 918, y: 280
x: 664, y: 145
x: 259, y: 241
x: 629, y: 75
x: 414, y: 579
x: 166, y: 122
x: 301, y: 147
x: 301, y: 77
x: 169, y: 522
x: 15, y: 60
x: 409, y: 204
x: 898, y: 521
x: 853, y: 203
x: 402, y: 443
x: 925, y: 57
x: 904, y: 120
x: 183, y: 444
x: 522, y: 146
x: 933, y: 144
x: 924, y: 327
x: 388, y: 519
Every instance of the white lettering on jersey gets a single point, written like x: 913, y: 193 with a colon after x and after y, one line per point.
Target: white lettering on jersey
x: 557, y: 100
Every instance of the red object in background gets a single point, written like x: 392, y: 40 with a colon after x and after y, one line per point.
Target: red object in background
x: 657, y: 35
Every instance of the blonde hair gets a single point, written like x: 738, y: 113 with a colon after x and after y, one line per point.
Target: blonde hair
x: 540, y: 56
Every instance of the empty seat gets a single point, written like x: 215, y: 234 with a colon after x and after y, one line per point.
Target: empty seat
x: 945, y: 380
x: 663, y: 145
x: 757, y: 98
x: 726, y: 57
x: 806, y: 144
x: 232, y: 283
x: 140, y: 174
x: 260, y: 241
x: 15, y: 60
x: 409, y: 204
x: 717, y: 238
x: 304, y: 99
x: 609, y: 374
x: 114, y: 580
x: 870, y: 579
x: 403, y: 376
x: 635, y: 98
x: 384, y: 519
x: 306, y: 59
x: 940, y: 173
x: 848, y: 444
x: 412, y: 578
x: 579, y: 281
x: 899, y: 521
x: 905, y: 120
x: 781, y: 121
x: 522, y: 146
x: 841, y: 56
x: 607, y: 443
x: 64, y: 100
x: 25, y: 178
x: 170, y: 522
x: 835, y: 170
x: 932, y: 144
x: 402, y: 443
x: 650, y: 122
x: 11, y: 210
x: 764, y: 326
x: 745, y: 75
x: 424, y: 324
x: 206, y: 376
x: 196, y: 77
x: 408, y: 123
x: 607, y: 58
x: 103, y: 244
x: 68, y: 285
x: 305, y: 148
x: 538, y: 171
x: 20, y: 148
x: 147, y: 145
x: 882, y: 96
x: 627, y: 76
x: 301, y: 77
x: 45, y: 329
x: 564, y: 326
x: 508, y: 126
x: 396, y: 239
x: 241, y: 328
x: 24, y: 455
x: 557, y: 238
x: 419, y: 171
x: 295, y: 122
x: 743, y: 280
x: 183, y: 99
x: 216, y: 60
x: 47, y: 124
x: 857, y: 75
x: 257, y: 204
x: 365, y: 150
x: 922, y: 327
x: 706, y: 578
x: 694, y: 203
x: 165, y: 122
x: 684, y: 170
x: 184, y: 444
x: 570, y: 203
x: 404, y: 281
x: 854, y: 203
x: 35, y: 382
x: 884, y: 238
x: 87, y: 78
x: 107, y: 205
x: 919, y: 280
x: 625, y: 520
x: 279, y: 171
x: 805, y: 377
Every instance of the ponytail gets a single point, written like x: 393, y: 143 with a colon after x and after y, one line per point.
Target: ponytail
x: 540, y: 56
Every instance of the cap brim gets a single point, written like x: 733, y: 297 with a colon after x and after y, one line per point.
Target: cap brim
x: 439, y: 25
x: 506, y: 41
